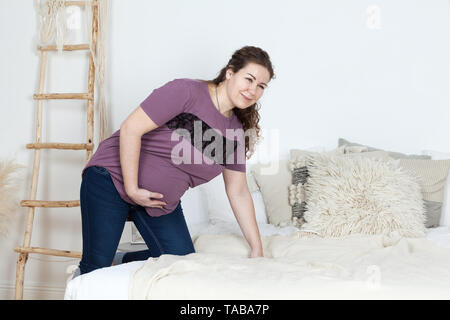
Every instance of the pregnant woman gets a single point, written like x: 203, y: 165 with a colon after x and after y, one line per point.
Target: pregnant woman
x: 183, y: 134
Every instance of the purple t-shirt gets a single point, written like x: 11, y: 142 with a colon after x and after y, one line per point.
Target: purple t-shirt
x: 193, y: 143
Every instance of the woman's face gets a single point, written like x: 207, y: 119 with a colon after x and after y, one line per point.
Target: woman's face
x: 246, y: 86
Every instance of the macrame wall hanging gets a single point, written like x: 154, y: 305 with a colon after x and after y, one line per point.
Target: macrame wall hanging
x: 53, y: 29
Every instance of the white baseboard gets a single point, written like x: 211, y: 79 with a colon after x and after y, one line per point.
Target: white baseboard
x: 32, y: 291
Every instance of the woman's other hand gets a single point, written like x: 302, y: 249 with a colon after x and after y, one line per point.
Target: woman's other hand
x: 142, y: 198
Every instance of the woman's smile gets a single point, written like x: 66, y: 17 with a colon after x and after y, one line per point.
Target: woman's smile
x: 246, y: 99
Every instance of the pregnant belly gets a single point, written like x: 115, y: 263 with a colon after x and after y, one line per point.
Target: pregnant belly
x: 169, y: 182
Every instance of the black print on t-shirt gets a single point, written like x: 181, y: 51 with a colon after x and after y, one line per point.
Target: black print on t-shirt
x: 187, y: 121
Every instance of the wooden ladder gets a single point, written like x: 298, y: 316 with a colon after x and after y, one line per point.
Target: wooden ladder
x: 32, y: 203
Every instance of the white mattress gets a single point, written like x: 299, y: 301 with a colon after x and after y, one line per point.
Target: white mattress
x: 98, y: 285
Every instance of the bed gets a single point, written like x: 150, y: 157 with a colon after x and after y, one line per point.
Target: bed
x: 328, y: 277
x: 299, y: 262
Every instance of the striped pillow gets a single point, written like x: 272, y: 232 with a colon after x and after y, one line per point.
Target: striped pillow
x: 297, y: 192
x: 433, y: 176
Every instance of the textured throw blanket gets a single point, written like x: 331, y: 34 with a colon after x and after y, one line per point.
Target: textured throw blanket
x: 299, y: 267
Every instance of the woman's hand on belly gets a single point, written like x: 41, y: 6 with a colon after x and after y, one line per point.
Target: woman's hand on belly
x: 143, y: 197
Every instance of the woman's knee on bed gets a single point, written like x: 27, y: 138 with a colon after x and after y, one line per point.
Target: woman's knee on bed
x: 181, y: 248
x: 94, y: 262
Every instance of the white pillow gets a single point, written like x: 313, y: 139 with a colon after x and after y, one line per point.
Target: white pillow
x: 218, y: 205
x: 445, y: 216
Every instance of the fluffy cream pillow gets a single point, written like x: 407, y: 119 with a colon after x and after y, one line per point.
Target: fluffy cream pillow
x: 299, y: 169
x: 348, y: 195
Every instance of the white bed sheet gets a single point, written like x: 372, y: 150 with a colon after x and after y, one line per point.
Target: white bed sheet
x: 98, y: 284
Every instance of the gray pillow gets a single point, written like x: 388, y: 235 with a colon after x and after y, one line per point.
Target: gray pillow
x: 395, y: 155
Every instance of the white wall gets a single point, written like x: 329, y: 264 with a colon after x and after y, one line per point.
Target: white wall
x: 336, y: 77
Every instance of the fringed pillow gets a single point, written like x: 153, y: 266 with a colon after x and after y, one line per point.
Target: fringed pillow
x: 299, y: 175
x: 361, y: 195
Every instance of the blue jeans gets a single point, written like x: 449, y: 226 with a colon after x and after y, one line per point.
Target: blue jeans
x: 103, y: 216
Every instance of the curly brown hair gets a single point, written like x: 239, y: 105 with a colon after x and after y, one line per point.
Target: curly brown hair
x: 249, y: 116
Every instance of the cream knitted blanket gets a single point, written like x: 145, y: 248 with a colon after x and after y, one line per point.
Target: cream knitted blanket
x: 307, y: 267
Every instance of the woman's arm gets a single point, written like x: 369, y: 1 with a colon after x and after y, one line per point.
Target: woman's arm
x: 131, y: 130
x: 242, y: 204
